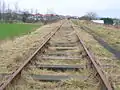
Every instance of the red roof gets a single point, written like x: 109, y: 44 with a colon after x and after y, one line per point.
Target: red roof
x: 37, y: 14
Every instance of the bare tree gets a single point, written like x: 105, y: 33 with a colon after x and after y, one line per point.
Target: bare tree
x: 3, y: 9
x: 31, y: 11
x: 15, y: 14
x: 8, y: 14
x: 91, y: 15
x: 25, y: 15
x: 16, y: 7
x: 0, y: 10
x: 36, y: 11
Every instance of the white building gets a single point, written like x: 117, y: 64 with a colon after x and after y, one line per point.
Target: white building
x: 98, y: 21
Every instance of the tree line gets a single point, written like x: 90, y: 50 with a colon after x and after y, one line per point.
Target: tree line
x: 8, y: 15
x: 107, y: 20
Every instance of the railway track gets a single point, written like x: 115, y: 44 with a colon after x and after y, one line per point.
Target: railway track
x: 62, y: 62
x: 110, y: 58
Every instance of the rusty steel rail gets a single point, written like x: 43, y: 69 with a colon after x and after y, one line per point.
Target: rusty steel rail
x: 102, y: 76
x: 10, y: 79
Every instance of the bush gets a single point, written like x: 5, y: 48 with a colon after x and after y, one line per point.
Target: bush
x: 107, y: 21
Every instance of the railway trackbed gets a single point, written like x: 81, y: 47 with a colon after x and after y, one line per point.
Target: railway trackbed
x: 62, y: 62
x: 102, y: 41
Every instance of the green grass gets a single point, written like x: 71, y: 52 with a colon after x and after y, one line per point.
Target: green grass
x: 8, y: 31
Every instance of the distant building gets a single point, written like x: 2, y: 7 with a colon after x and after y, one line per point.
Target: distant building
x: 36, y: 17
x: 44, y: 17
x: 98, y: 21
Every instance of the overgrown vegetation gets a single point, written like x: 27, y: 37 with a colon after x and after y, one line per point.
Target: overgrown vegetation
x: 104, y: 57
x: 109, y: 34
x: 107, y: 20
x: 112, y: 36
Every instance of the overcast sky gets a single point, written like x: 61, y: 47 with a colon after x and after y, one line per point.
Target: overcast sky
x: 110, y: 8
